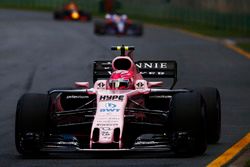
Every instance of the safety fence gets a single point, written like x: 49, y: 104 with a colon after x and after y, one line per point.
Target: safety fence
x: 165, y: 11
x: 50, y: 5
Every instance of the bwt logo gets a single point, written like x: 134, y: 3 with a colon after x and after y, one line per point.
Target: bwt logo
x: 110, y: 107
x: 111, y: 97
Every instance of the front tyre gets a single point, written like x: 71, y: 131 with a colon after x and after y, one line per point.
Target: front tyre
x: 187, y: 117
x: 211, y: 97
x: 32, y: 115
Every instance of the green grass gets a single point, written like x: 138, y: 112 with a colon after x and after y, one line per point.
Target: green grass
x: 33, y: 8
x: 247, y: 163
x: 245, y: 46
x: 204, y: 29
x: 213, y: 31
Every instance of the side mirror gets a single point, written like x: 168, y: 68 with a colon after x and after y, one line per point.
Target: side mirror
x: 155, y: 84
x: 82, y: 85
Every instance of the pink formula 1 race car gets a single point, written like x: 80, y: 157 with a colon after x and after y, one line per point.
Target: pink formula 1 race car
x: 121, y: 112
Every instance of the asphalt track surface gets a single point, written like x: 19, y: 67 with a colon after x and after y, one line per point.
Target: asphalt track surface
x: 38, y: 53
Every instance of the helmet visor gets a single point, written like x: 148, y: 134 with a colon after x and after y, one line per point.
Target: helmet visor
x: 119, y: 84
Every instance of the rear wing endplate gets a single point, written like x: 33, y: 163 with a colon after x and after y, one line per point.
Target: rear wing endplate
x: 148, y: 69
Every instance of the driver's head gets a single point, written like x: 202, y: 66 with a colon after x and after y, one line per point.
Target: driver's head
x: 121, y: 79
x: 71, y: 6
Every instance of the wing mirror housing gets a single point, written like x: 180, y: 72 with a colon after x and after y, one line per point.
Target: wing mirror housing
x: 84, y: 85
x: 155, y: 84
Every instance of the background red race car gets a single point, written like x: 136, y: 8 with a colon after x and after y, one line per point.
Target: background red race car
x: 71, y: 11
x: 118, y: 24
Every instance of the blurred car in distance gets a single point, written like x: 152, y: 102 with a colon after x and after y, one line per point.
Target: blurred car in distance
x: 118, y: 24
x: 71, y: 11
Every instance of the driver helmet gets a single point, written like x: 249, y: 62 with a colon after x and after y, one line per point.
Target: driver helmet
x: 124, y: 17
x: 71, y: 6
x: 108, y: 16
x: 121, y: 79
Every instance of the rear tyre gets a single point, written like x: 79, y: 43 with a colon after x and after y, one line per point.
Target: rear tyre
x: 32, y: 117
x: 89, y: 16
x: 188, y: 124
x: 139, y: 30
x: 211, y: 97
x: 86, y: 15
x: 58, y: 15
x: 99, y: 28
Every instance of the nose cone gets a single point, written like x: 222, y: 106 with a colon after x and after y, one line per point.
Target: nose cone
x: 106, y: 135
x: 120, y: 27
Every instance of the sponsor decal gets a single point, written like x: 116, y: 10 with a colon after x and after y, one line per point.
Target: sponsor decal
x: 160, y: 97
x: 140, y: 85
x: 76, y: 97
x: 111, y: 97
x: 152, y: 65
x: 113, y: 118
x: 107, y: 124
x: 105, y: 128
x: 107, y: 121
x: 153, y: 73
x: 110, y: 107
x: 101, y: 85
x: 105, y: 133
x: 146, y: 143
x: 148, y: 72
x: 107, y: 137
x: 109, y: 110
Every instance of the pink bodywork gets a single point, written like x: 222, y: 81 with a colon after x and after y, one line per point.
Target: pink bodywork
x: 111, y: 104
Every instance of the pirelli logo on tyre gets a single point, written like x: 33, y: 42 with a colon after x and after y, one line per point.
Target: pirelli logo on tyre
x: 111, y: 97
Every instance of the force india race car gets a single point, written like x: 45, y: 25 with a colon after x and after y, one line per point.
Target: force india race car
x: 122, y: 112
x: 71, y: 12
x: 115, y: 24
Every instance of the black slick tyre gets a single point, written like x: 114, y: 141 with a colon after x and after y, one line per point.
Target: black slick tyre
x: 31, y: 123
x: 188, y: 124
x: 58, y: 15
x: 212, y: 100
x: 139, y: 30
x: 99, y: 28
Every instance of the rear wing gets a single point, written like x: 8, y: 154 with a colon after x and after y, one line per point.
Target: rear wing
x: 148, y: 69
